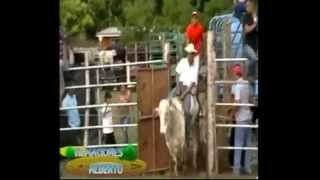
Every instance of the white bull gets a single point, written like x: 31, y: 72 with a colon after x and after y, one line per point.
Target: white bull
x: 172, y: 125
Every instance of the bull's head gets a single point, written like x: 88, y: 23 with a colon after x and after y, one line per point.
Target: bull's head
x: 165, y: 107
x: 163, y: 111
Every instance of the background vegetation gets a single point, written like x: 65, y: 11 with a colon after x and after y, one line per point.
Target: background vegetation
x: 136, y: 18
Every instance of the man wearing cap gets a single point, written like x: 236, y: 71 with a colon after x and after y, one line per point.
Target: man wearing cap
x: 243, y: 116
x: 194, y: 32
x: 187, y: 79
x: 239, y: 8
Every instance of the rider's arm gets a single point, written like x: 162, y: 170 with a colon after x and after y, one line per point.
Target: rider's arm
x: 191, y: 89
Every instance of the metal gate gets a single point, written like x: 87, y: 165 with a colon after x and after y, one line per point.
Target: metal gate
x: 155, y: 96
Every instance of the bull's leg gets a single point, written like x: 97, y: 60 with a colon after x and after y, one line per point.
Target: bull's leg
x: 175, y: 164
x: 185, y: 157
x: 194, y: 151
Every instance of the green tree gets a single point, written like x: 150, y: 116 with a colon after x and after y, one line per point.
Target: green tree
x: 158, y: 5
x: 75, y: 17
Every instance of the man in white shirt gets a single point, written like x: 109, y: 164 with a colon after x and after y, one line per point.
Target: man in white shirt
x: 187, y: 77
x: 243, y: 115
x: 106, y: 111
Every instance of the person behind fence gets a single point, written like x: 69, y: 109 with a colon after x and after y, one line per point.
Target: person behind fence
x: 239, y: 8
x: 243, y: 116
x: 70, y: 100
x: 73, y: 119
x: 124, y: 111
x: 194, y: 32
x: 187, y: 79
x: 250, y: 23
x: 106, y: 111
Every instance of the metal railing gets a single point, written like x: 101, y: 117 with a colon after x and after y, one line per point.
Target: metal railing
x: 99, y: 127
x: 99, y: 106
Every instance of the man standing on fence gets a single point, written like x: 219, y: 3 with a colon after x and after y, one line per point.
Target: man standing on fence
x: 250, y: 23
x: 243, y: 116
x: 194, y: 33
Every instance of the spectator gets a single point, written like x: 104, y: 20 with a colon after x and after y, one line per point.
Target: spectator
x: 194, y: 32
x: 124, y: 97
x: 73, y: 119
x: 70, y: 100
x: 240, y: 8
x: 250, y: 22
x: 106, y: 111
x: 243, y: 116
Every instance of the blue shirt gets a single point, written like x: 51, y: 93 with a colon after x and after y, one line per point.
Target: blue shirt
x: 73, y: 114
x: 236, y: 36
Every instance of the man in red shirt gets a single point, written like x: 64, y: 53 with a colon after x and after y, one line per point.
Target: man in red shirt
x: 194, y: 32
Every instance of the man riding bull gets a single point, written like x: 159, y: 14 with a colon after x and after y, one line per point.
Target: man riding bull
x: 187, y: 80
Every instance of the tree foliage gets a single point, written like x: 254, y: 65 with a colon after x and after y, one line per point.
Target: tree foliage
x: 75, y: 17
x: 136, y: 18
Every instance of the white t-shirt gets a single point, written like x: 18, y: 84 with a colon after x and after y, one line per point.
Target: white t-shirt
x: 106, y: 56
x: 241, y: 94
x: 106, y: 119
x: 187, y: 73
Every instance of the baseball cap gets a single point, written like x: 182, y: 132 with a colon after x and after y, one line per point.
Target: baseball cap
x: 236, y: 69
x: 190, y: 48
x: 194, y: 13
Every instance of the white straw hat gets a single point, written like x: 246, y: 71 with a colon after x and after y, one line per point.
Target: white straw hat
x: 190, y: 48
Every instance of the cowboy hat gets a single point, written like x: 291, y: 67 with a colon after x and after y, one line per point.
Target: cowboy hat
x: 190, y: 48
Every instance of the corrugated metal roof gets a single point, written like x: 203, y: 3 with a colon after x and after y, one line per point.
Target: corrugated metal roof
x: 109, y: 32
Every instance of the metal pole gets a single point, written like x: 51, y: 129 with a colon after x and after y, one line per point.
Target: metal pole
x: 232, y: 82
x: 240, y: 148
x: 114, y: 65
x: 101, y: 85
x: 230, y: 59
x: 87, y: 112
x: 237, y: 125
x: 99, y: 106
x: 98, y: 101
x: 109, y: 145
x: 234, y: 104
x: 99, y: 127
x: 127, y: 67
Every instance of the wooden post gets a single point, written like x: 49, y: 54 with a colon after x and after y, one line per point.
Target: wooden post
x: 146, y: 52
x: 166, y: 58
x: 227, y: 54
x: 135, y: 52
x: 87, y: 111
x: 211, y: 93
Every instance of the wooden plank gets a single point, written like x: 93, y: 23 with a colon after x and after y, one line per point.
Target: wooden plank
x: 212, y: 160
x: 222, y: 133
x: 152, y: 147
